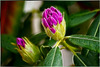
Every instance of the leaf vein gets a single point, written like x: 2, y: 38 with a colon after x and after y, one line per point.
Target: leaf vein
x: 85, y: 38
x: 53, y: 56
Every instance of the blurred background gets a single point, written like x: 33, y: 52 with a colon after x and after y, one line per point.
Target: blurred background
x: 23, y: 18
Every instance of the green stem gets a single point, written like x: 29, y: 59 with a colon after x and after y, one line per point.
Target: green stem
x: 58, y: 42
x: 68, y: 46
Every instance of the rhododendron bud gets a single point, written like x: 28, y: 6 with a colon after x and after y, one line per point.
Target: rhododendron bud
x: 29, y: 52
x: 54, y: 23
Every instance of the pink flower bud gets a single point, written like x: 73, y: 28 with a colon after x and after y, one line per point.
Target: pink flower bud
x: 54, y: 23
x: 30, y: 53
x: 20, y: 42
x: 51, y: 16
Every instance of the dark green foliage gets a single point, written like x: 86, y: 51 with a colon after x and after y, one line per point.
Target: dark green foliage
x: 85, y: 41
x: 51, y: 42
x: 53, y: 58
x: 37, y: 38
x: 26, y: 25
x: 91, y: 56
x: 44, y: 50
x: 19, y: 61
x: 80, y: 18
x: 94, y: 28
x: 6, y: 41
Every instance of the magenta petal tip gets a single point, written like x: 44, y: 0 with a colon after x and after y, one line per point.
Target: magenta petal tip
x: 20, y: 42
x: 45, y: 22
x: 53, y: 30
x: 51, y: 16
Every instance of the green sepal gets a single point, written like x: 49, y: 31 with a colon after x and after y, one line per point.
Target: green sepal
x: 60, y: 30
x: 30, y: 53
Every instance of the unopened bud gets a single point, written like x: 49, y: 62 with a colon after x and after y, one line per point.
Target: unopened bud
x: 29, y: 52
x: 54, y: 23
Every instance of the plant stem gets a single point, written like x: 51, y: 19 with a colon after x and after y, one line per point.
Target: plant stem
x: 68, y: 46
x: 57, y: 43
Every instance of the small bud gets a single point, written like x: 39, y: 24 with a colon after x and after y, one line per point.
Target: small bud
x: 29, y: 52
x: 54, y: 23
x: 20, y: 42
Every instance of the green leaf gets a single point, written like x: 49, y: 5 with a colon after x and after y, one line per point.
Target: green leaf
x: 86, y: 60
x: 94, y: 26
x: 93, y: 31
x: 18, y: 61
x: 88, y: 55
x: 51, y: 42
x: 6, y: 41
x: 26, y: 26
x: 79, y: 18
x: 78, y: 63
x: 44, y: 50
x: 6, y: 57
x: 53, y: 58
x: 91, y: 56
x: 85, y: 41
x: 37, y: 38
x: 98, y: 35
